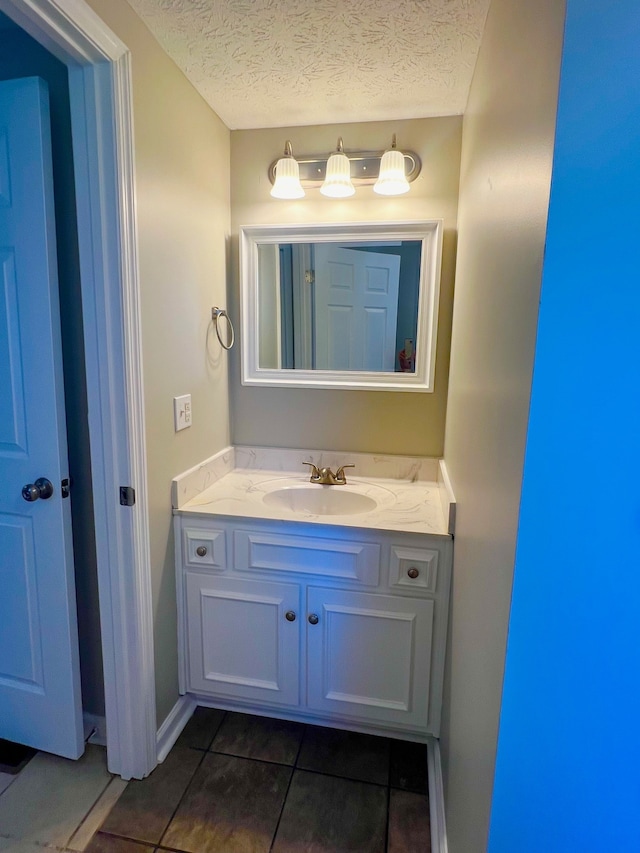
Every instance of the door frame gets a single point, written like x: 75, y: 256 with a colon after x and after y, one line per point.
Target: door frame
x: 100, y: 85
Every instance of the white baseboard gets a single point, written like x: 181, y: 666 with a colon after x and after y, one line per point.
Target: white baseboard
x: 169, y: 731
x: 95, y: 729
x: 436, y: 798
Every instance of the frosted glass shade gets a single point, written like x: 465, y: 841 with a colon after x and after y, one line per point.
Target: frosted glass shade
x: 287, y: 184
x: 337, y: 183
x: 392, y: 180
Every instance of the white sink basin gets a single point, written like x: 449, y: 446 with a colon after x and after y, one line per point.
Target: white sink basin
x: 320, y: 500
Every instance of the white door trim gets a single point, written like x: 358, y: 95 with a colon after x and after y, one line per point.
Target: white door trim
x: 102, y: 126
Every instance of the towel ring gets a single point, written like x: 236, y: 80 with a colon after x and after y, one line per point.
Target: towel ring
x: 216, y: 313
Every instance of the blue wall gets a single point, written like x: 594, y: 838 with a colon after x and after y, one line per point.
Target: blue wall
x: 568, y: 767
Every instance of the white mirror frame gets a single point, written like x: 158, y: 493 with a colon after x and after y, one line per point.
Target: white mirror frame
x: 428, y: 232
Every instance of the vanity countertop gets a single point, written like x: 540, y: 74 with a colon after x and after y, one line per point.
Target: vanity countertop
x: 410, y: 507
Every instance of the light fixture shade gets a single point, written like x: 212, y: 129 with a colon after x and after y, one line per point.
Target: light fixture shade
x: 337, y: 183
x: 392, y: 180
x: 287, y: 183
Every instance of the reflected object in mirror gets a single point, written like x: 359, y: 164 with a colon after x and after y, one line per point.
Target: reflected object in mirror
x: 339, y: 306
x: 349, y: 306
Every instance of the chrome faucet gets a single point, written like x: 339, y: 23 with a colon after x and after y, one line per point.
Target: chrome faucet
x: 326, y: 477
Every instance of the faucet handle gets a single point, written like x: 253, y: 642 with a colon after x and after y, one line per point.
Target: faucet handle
x: 340, y: 473
x: 315, y: 474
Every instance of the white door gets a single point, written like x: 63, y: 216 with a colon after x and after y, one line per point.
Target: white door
x: 40, y: 698
x: 356, y: 309
x: 369, y: 656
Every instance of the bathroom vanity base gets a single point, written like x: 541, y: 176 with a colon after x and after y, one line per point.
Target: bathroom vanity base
x: 335, y: 626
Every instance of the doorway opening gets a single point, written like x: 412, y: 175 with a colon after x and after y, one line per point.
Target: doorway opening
x: 98, y: 66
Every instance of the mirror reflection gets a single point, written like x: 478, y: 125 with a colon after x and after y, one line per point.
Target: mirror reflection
x: 339, y: 306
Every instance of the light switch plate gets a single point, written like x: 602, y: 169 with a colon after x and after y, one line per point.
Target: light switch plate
x: 182, y: 412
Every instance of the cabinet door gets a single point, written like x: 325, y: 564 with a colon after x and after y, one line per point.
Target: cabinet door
x: 240, y: 642
x: 369, y: 656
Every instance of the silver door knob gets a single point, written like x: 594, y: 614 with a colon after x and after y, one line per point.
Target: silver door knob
x: 42, y: 488
x: 313, y: 619
x: 201, y: 550
x: 290, y: 616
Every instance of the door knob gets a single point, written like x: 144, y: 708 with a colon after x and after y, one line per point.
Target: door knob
x: 290, y: 616
x: 42, y: 488
x: 313, y: 619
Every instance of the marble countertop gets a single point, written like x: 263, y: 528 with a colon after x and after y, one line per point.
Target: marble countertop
x: 410, y: 507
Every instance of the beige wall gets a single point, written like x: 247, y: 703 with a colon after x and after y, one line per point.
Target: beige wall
x: 182, y: 185
x: 504, y: 191
x: 382, y: 422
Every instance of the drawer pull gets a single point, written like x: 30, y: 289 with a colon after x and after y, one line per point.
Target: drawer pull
x: 313, y: 619
x: 201, y: 550
x: 290, y: 616
x: 413, y: 572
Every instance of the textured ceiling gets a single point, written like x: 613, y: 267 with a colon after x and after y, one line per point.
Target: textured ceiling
x: 273, y: 63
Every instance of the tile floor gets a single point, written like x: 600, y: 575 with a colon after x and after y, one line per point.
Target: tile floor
x: 235, y: 783
x: 55, y: 804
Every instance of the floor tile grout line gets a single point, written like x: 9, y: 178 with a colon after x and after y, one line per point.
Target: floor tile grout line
x: 284, y: 801
x: 205, y: 752
x: 250, y: 758
x: 346, y: 778
x: 184, y: 793
x: 91, y: 808
x: 154, y: 845
x: 128, y: 838
x: 386, y: 833
x: 296, y: 766
x: 218, y: 727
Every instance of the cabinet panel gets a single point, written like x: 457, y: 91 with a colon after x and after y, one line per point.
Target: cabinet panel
x: 204, y: 548
x: 369, y: 656
x: 413, y: 569
x: 240, y: 642
x: 344, y: 559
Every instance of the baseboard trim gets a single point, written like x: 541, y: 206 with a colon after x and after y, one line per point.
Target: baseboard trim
x: 311, y: 719
x: 95, y: 729
x: 169, y: 731
x: 436, y: 798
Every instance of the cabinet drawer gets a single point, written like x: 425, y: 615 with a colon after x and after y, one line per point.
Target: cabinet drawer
x: 413, y: 569
x: 307, y: 555
x: 204, y: 548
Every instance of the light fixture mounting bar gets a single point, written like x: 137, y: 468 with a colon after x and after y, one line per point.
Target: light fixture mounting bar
x: 365, y: 167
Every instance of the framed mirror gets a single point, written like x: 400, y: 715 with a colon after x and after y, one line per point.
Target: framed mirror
x: 340, y: 306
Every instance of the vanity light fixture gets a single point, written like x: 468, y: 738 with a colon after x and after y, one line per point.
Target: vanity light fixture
x: 287, y: 176
x: 337, y: 183
x: 390, y: 172
x: 392, y: 179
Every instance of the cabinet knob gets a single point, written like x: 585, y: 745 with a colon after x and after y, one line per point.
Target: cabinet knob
x: 313, y: 619
x: 290, y: 616
x: 201, y: 550
x: 413, y: 572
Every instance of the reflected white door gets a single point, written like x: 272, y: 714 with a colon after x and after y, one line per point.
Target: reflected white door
x: 356, y: 309
x: 40, y: 698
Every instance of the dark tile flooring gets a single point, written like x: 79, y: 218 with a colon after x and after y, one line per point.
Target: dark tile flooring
x: 235, y: 783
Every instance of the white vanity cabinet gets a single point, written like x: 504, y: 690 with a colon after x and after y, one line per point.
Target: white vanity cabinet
x: 329, y: 625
